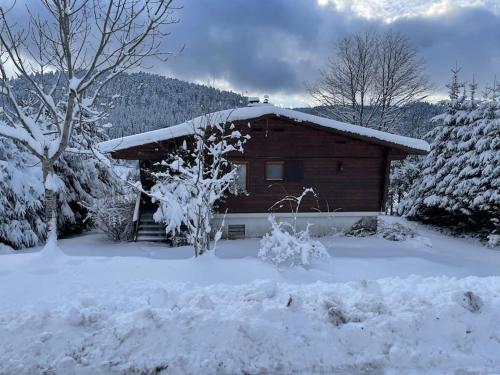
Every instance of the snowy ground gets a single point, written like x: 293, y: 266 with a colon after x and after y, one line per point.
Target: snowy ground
x: 105, y: 308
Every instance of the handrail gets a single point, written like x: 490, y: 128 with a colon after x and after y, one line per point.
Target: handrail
x: 136, y: 208
x: 135, y: 217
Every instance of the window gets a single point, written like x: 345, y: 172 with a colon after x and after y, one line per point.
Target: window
x: 274, y: 170
x: 294, y: 170
x: 241, y: 175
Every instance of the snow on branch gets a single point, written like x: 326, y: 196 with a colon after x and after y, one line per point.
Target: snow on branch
x: 195, y: 176
x: 70, y: 50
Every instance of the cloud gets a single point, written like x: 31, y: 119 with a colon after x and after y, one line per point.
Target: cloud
x: 467, y: 36
x: 257, y: 46
x: 277, y: 46
x: 390, y: 11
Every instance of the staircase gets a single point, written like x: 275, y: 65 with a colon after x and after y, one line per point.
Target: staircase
x: 148, y: 229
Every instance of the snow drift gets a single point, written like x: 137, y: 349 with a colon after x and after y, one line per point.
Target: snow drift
x: 416, y: 325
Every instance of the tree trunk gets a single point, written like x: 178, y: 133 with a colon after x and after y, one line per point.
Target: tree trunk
x: 50, y: 208
x: 51, y: 213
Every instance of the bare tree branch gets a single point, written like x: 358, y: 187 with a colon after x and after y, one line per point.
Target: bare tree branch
x: 371, y: 80
x: 87, y: 43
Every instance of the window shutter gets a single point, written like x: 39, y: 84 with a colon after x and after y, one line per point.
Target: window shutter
x: 294, y: 170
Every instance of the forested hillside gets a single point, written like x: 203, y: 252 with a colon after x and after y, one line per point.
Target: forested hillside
x: 143, y: 102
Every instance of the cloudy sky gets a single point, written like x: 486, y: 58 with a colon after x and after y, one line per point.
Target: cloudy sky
x: 275, y: 47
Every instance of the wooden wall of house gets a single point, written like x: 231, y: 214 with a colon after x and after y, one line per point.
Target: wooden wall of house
x: 347, y: 174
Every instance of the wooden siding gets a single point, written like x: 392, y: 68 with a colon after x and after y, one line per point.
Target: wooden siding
x: 359, y: 185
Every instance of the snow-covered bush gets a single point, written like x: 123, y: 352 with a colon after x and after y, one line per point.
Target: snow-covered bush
x: 493, y: 240
x: 394, y: 231
x: 4, y: 249
x: 366, y: 226
x: 285, y: 245
x: 85, y: 178
x: 113, y: 215
x: 82, y: 179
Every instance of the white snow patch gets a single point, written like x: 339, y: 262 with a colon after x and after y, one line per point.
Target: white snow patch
x: 4, y: 249
x: 416, y: 325
x: 53, y: 182
x: 141, y: 308
x: 74, y: 83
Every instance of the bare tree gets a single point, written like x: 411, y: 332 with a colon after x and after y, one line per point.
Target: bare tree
x: 87, y: 43
x: 371, y: 79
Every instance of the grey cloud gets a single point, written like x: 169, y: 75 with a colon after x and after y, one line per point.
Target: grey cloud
x: 469, y: 37
x: 277, y: 46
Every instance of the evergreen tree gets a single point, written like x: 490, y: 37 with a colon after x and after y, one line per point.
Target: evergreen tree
x: 21, y: 194
x: 85, y: 178
x: 460, y: 178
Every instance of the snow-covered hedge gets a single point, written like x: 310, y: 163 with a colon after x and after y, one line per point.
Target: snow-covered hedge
x: 285, y: 246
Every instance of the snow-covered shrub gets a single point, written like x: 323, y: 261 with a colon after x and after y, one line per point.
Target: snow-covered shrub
x: 493, y: 240
x: 113, y: 215
x: 366, y: 226
x: 85, y: 178
x: 4, y: 249
x: 82, y: 179
x: 394, y: 231
x: 286, y: 247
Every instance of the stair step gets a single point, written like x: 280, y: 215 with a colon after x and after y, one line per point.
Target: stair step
x: 153, y: 232
x: 150, y: 238
x: 149, y: 222
x: 151, y: 225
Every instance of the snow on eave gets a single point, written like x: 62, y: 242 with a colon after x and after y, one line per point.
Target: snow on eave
x: 408, y: 144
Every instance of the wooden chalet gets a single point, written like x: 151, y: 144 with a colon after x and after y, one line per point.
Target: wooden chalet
x: 347, y: 166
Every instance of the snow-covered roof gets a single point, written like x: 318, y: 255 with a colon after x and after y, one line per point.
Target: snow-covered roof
x: 255, y: 111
